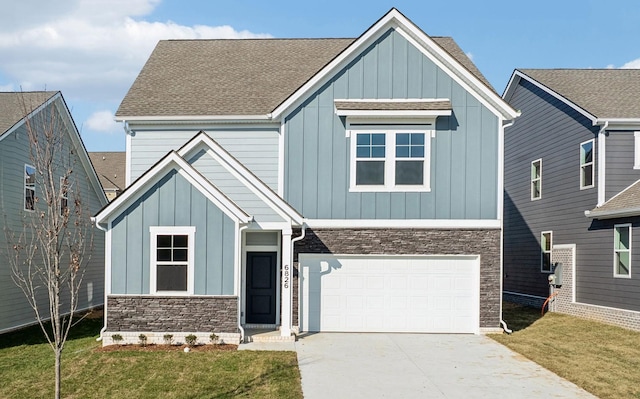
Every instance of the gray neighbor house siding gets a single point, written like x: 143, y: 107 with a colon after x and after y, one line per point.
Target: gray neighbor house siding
x: 15, y: 312
x: 464, y: 151
x: 550, y: 130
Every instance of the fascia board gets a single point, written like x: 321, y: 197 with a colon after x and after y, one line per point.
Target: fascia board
x: 236, y: 168
x: 629, y: 212
x: 196, y: 119
x: 393, y: 114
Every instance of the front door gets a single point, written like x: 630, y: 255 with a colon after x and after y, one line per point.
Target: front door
x: 261, y: 288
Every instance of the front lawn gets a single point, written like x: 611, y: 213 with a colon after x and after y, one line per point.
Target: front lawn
x: 602, y: 359
x: 26, y: 370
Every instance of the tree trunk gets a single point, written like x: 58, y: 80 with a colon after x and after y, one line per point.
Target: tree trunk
x: 58, y: 353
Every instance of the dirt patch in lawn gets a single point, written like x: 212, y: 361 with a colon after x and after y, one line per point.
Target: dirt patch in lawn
x: 168, y: 348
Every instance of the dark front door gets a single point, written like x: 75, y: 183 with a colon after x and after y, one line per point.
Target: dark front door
x: 261, y: 288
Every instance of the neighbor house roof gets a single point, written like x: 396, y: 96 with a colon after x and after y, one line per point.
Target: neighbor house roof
x: 625, y: 203
x: 14, y: 106
x: 110, y: 168
x: 604, y: 93
x: 243, y: 77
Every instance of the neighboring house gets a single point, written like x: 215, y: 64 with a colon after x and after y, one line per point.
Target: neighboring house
x: 308, y: 185
x: 572, y: 191
x: 110, y: 168
x: 19, y: 192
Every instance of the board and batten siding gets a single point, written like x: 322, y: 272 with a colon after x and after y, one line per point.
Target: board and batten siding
x: 173, y: 201
x: 463, y: 158
x: 257, y: 149
x: 551, y: 130
x: 14, y: 309
x: 620, y: 148
x: 233, y: 188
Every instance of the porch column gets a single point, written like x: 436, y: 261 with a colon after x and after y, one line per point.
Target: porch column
x: 286, y: 282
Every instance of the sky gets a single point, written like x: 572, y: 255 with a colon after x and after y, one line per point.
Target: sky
x: 92, y: 50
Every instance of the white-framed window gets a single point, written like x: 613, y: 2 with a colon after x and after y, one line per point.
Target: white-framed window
x: 622, y: 250
x: 393, y: 158
x: 536, y: 179
x: 172, y: 260
x: 64, y: 195
x: 587, y: 171
x: 29, y: 188
x: 636, y: 145
x: 546, y: 245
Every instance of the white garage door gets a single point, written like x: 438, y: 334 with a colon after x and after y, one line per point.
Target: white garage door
x: 433, y: 294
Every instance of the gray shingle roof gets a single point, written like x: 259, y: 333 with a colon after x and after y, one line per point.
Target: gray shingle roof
x: 393, y: 105
x: 604, y: 93
x: 15, y: 105
x: 625, y: 203
x: 110, y: 168
x: 236, y: 77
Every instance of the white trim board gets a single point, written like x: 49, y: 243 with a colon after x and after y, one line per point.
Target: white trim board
x: 405, y: 223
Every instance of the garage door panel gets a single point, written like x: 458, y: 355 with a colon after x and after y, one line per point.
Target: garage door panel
x: 389, y: 293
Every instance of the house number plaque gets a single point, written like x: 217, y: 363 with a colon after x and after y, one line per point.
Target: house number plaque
x: 286, y: 276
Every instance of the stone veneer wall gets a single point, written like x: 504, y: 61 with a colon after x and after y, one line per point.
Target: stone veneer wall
x: 172, y: 314
x: 563, y: 301
x: 483, y: 242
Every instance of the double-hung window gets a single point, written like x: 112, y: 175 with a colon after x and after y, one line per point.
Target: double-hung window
x: 64, y: 195
x: 29, y: 188
x: 390, y: 159
x: 536, y: 179
x: 587, y: 170
x: 622, y: 250
x: 172, y: 253
x: 546, y: 245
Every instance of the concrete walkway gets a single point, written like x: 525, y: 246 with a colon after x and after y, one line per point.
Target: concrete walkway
x: 337, y: 365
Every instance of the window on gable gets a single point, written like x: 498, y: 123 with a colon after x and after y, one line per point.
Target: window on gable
x: 64, y: 195
x: 393, y: 159
x: 536, y: 179
x: 622, y: 250
x: 29, y: 188
x: 172, y: 252
x: 546, y: 246
x: 586, y: 165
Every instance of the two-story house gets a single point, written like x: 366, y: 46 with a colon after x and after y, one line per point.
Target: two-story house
x: 572, y: 197
x: 308, y: 185
x: 22, y: 199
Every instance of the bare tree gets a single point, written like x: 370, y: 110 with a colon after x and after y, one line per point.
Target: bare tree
x: 50, y: 251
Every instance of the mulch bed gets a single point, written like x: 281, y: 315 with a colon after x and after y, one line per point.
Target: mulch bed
x: 168, y: 348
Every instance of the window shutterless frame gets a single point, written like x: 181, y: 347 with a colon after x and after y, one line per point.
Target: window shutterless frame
x: 622, y: 250
x: 29, y: 188
x: 546, y: 248
x: 536, y: 179
x: 172, y: 255
x: 64, y: 195
x: 587, y: 169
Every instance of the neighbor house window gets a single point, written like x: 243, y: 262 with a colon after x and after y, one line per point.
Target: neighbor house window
x: 622, y: 250
x: 29, y: 188
x: 64, y: 195
x: 172, y: 253
x: 586, y: 164
x: 390, y: 160
x: 536, y: 179
x: 546, y: 245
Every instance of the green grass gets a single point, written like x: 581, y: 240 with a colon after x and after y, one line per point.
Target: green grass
x: 26, y: 370
x: 602, y: 359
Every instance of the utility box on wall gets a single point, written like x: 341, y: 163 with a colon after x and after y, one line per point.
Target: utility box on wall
x: 555, y: 278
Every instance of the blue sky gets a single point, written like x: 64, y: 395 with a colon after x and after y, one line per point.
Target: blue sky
x: 92, y: 50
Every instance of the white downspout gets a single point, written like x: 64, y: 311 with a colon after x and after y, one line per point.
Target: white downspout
x: 293, y: 249
x: 104, y: 307
x: 601, y: 163
x: 502, y: 322
x: 239, y: 287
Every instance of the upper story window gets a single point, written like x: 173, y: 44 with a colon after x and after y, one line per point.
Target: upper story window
x: 64, y: 195
x: 392, y: 159
x: 172, y: 260
x: 546, y: 245
x: 636, y: 159
x: 622, y: 250
x: 29, y: 188
x: 536, y: 179
x: 586, y: 165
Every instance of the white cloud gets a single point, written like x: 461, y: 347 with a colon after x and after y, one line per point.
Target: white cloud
x: 103, y: 121
x: 635, y: 64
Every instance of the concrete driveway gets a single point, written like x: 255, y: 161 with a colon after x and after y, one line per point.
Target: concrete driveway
x: 337, y: 365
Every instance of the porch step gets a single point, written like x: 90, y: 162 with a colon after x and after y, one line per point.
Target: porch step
x: 266, y: 335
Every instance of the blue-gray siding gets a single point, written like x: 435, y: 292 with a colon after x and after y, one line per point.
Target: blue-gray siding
x: 620, y: 157
x: 551, y: 130
x: 173, y: 201
x: 14, y: 153
x: 464, y: 152
x: 233, y: 188
x: 257, y: 149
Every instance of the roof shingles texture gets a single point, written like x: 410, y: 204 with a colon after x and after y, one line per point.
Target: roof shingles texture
x: 394, y: 105
x: 15, y: 105
x: 110, y: 168
x: 236, y: 77
x: 604, y: 93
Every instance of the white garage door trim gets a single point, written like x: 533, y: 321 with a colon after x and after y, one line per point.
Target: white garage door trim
x: 390, y: 293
